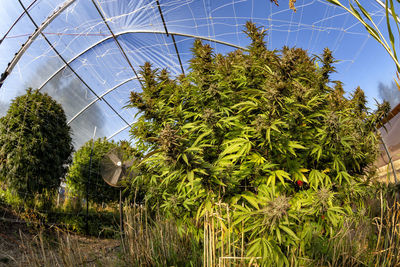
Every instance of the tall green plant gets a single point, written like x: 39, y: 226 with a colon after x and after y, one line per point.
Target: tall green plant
x: 262, y: 131
x: 35, y: 145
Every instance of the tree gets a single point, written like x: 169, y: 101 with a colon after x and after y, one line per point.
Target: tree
x: 266, y: 132
x: 35, y: 145
x: 78, y: 176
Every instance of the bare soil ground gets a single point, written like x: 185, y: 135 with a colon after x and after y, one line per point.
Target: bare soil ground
x: 28, y: 245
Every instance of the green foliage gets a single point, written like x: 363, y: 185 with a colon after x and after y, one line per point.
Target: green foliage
x: 101, y: 224
x: 78, y: 174
x: 7, y: 196
x: 263, y: 131
x: 35, y: 145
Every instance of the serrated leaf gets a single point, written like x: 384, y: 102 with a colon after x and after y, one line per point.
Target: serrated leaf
x: 281, y: 174
x: 251, y: 199
x: 289, y: 231
x: 231, y: 148
x: 271, y: 180
x: 193, y: 149
x: 201, y: 137
x: 190, y: 175
x: 296, y: 145
x: 257, y: 158
x: 184, y: 157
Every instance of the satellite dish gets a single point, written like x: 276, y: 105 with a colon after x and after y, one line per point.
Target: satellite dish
x: 113, y: 168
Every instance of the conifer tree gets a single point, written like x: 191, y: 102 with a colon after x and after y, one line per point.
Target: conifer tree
x: 35, y: 145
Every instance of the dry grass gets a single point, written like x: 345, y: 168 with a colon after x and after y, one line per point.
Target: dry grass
x: 146, y: 242
x: 62, y: 249
x: 156, y: 241
x: 35, y: 245
x: 365, y: 241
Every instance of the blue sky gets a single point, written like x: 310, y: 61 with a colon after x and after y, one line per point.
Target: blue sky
x: 315, y: 25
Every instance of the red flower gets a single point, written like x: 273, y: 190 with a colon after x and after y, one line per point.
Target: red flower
x: 323, y: 217
x: 299, y: 183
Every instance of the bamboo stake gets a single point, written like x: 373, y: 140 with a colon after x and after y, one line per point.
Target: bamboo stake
x: 380, y: 226
x: 229, y: 231
x: 205, y: 249
x: 222, y: 239
x: 242, y: 246
x: 210, y: 240
x: 213, y: 238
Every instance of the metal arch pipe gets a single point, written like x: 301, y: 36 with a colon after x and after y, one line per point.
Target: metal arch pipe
x: 32, y: 38
x: 100, y: 11
x: 139, y: 31
x: 66, y: 63
x: 58, y: 11
x: 120, y: 130
x: 97, y: 99
x: 16, y: 21
x: 54, y: 15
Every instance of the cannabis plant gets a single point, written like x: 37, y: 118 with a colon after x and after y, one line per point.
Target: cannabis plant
x: 266, y: 132
x: 35, y: 145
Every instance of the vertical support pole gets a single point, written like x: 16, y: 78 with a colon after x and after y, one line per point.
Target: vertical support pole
x: 121, y: 220
x: 390, y: 160
x: 87, y: 183
x: 121, y: 213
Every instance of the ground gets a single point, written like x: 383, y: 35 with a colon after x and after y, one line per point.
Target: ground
x: 20, y: 245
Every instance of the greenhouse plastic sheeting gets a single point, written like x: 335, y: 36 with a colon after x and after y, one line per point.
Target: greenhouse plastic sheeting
x: 391, y: 136
x: 87, y: 54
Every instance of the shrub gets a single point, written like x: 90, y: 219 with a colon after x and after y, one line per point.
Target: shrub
x: 101, y: 224
x: 35, y: 145
x: 78, y: 175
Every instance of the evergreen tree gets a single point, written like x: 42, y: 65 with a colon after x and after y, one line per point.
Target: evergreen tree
x: 35, y: 145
